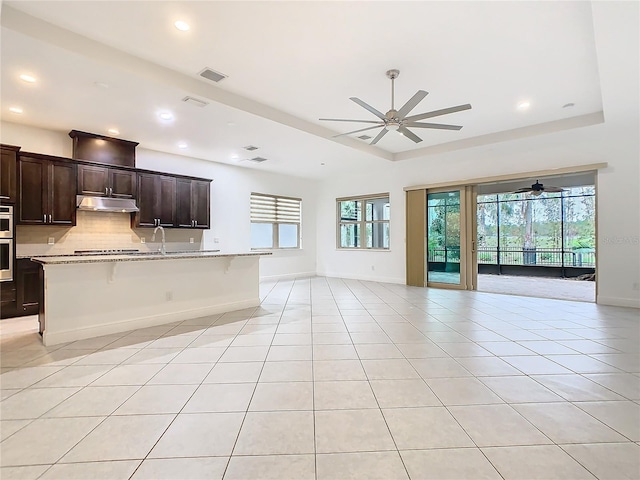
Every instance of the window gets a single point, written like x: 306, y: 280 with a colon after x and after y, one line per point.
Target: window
x: 363, y: 222
x: 275, y: 221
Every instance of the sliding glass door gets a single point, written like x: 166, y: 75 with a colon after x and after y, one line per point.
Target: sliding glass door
x: 450, y: 232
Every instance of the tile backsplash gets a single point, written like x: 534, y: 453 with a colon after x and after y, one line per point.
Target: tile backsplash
x: 99, y: 231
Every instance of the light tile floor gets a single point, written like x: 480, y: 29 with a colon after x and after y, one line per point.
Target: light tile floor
x: 333, y: 379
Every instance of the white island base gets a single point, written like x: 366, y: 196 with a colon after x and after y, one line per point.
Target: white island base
x: 86, y: 297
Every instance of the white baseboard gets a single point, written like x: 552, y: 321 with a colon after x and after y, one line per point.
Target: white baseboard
x: 54, y: 338
x: 287, y: 276
x: 618, y: 302
x: 364, y: 278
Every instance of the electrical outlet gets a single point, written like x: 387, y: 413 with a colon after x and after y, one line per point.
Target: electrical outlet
x: 143, y: 240
x: 190, y: 239
x: 216, y: 240
x: 51, y: 241
x: 373, y: 267
x: 169, y: 296
x: 636, y: 286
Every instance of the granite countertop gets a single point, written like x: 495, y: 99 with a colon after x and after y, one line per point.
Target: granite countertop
x: 136, y: 257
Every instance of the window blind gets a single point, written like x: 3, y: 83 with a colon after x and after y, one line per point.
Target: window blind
x: 275, y: 209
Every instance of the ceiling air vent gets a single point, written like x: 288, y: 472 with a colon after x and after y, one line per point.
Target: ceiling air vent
x: 212, y: 75
x: 250, y: 148
x: 195, y: 102
x: 364, y: 137
x: 258, y: 159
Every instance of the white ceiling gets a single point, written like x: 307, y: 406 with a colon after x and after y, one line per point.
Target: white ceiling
x: 291, y: 63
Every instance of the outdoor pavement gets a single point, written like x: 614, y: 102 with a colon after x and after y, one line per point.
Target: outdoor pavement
x: 563, y: 289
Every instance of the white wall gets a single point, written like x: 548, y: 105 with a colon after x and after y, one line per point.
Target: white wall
x: 615, y: 142
x: 230, y: 205
x: 230, y: 194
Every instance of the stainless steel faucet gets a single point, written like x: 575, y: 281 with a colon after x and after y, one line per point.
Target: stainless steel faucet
x: 162, y: 249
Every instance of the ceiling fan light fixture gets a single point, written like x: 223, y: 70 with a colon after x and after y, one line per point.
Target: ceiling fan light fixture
x: 398, y: 120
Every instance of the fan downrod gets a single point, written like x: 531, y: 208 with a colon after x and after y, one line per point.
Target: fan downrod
x: 393, y: 74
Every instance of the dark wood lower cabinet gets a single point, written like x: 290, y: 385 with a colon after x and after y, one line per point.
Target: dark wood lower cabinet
x: 26, y: 290
x: 7, y: 299
x: 28, y: 286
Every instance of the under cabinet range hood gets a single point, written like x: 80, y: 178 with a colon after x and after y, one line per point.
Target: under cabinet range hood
x: 106, y: 204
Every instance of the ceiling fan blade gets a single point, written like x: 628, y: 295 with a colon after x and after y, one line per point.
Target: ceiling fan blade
x: 554, y: 189
x: 409, y: 134
x: 356, y: 131
x: 368, y: 107
x: 379, y: 136
x: 410, y: 105
x: 345, y: 120
x: 440, y: 126
x: 437, y: 113
x: 523, y: 190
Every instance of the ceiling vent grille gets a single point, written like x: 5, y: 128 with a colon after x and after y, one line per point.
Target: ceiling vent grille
x: 212, y: 75
x: 257, y: 159
x: 195, y: 101
x: 364, y: 137
x: 250, y: 148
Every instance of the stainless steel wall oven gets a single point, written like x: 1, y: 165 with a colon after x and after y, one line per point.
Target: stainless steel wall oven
x: 7, y: 239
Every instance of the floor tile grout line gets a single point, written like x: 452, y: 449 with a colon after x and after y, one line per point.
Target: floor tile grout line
x: 235, y: 443
x: 313, y: 389
x: 378, y: 403
x: 600, y: 421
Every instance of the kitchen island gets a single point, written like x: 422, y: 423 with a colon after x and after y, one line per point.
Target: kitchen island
x: 86, y: 296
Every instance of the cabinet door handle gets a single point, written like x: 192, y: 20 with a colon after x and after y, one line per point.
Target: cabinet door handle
x: 111, y: 191
x: 4, y: 196
x: 44, y: 218
x: 196, y: 222
x: 50, y: 218
x: 106, y: 191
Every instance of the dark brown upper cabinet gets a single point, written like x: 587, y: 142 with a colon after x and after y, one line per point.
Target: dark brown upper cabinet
x: 46, y: 191
x: 193, y: 203
x: 106, y: 182
x: 100, y: 149
x: 8, y: 172
x: 156, y: 201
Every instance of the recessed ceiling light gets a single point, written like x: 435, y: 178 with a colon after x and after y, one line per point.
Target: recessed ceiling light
x: 27, y: 78
x: 17, y: 110
x: 165, y: 116
x: 234, y: 157
x: 524, y: 105
x: 231, y: 124
x: 101, y: 84
x: 113, y: 131
x: 182, y: 145
x: 182, y: 25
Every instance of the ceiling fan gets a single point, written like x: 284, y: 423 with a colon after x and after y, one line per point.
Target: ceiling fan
x: 538, y: 188
x: 397, y: 120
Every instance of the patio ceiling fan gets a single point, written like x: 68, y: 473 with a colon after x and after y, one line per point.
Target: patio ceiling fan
x: 538, y: 188
x: 397, y: 120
